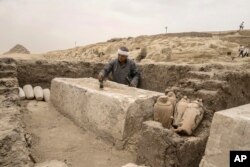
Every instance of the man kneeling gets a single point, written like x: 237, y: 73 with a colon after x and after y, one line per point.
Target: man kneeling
x: 124, y: 70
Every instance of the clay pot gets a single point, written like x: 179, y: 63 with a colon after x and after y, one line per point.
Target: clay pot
x: 180, y: 108
x: 163, y: 111
x: 38, y: 92
x: 46, y: 94
x: 21, y: 93
x: 172, y: 98
x: 29, y: 92
x: 191, y: 118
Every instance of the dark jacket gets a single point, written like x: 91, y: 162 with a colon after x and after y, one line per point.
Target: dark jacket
x: 121, y: 73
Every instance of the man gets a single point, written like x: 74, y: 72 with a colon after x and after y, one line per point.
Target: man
x: 245, y: 52
x: 241, y: 50
x: 124, y: 70
x: 242, y: 25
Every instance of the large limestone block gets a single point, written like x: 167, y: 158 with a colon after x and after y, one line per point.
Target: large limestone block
x: 21, y: 93
x: 53, y: 163
x: 29, y: 92
x: 46, y: 94
x: 38, y: 91
x: 115, y: 113
x: 230, y: 130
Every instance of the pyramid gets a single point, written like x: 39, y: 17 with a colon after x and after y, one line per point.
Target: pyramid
x: 18, y: 49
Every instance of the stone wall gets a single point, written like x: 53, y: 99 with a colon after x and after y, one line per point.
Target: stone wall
x: 155, y: 77
x: 41, y: 72
x: 218, y: 87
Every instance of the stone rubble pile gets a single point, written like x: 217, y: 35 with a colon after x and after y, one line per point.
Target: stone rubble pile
x: 28, y: 92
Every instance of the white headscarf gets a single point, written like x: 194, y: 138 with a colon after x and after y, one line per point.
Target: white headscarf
x: 121, y: 52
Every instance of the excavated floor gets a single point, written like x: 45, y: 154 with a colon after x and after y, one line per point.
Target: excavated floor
x: 56, y: 137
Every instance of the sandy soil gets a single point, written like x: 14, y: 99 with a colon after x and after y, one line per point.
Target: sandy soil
x: 20, y: 56
x: 190, y: 48
x: 56, y: 137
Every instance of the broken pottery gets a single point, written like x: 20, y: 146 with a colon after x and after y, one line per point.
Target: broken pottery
x: 21, y: 93
x: 171, y: 96
x: 191, y: 118
x: 163, y: 111
x: 181, y: 106
x: 46, y: 94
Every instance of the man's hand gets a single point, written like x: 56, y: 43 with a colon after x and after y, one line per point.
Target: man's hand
x: 100, y: 77
x: 132, y: 84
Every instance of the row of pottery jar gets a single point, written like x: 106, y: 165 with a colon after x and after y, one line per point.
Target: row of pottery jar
x: 184, y: 116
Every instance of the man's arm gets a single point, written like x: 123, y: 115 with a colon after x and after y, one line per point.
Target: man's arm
x: 106, y: 70
x: 135, y: 74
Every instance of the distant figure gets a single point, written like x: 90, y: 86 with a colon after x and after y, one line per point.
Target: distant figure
x: 242, y: 25
x: 241, y: 50
x: 245, y: 52
x: 166, y: 29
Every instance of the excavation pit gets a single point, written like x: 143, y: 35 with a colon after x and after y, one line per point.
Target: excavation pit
x: 224, y: 86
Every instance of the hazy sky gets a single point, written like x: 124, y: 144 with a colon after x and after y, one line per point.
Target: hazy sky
x: 44, y: 25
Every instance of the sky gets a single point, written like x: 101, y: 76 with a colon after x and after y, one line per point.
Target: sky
x: 45, y: 25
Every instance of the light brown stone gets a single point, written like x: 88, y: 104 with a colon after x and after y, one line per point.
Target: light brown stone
x: 230, y: 130
x: 115, y: 113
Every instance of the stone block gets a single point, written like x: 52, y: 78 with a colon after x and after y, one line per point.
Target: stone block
x: 230, y: 130
x: 160, y: 147
x: 114, y: 113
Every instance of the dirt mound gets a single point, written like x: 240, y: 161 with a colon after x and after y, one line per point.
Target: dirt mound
x: 189, y: 47
x: 18, y: 49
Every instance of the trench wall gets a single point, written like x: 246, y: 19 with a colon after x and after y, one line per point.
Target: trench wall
x: 224, y: 89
